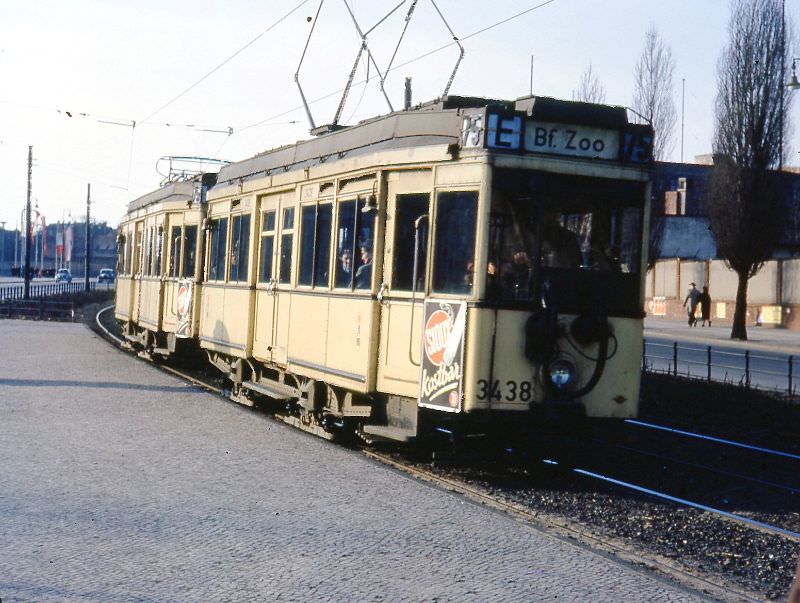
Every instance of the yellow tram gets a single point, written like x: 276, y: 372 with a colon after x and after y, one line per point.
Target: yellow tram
x: 464, y: 262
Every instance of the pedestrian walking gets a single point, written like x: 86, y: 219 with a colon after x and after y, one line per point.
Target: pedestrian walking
x: 690, y: 303
x: 705, y: 307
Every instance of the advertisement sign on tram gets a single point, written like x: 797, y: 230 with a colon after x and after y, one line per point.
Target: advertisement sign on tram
x: 184, y: 309
x: 442, y: 367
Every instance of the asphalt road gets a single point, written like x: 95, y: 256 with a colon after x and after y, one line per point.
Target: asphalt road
x: 769, y: 359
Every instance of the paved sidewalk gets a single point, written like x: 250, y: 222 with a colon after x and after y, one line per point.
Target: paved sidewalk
x: 759, y: 338
x: 120, y: 483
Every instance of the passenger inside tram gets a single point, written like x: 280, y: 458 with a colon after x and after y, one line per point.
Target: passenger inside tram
x: 344, y: 271
x: 557, y: 231
x: 364, y: 272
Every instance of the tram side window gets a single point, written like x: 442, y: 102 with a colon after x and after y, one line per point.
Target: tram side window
x: 267, y: 246
x: 354, y: 245
x: 322, y: 248
x: 409, y: 209
x: 240, y: 245
x: 175, y: 252
x: 189, y: 251
x: 121, y: 249
x: 147, y: 268
x: 315, y: 238
x: 454, y: 254
x: 218, y: 234
x: 345, y: 244
x: 365, y: 231
x: 287, y: 240
x: 128, y: 250
x: 158, y: 250
x: 137, y: 250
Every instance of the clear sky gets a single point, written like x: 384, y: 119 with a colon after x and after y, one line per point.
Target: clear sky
x: 121, y: 61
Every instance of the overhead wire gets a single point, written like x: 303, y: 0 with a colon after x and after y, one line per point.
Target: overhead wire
x: 225, y: 62
x: 230, y: 130
x: 410, y: 61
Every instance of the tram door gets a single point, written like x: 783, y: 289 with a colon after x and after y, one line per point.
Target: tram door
x: 401, y: 307
x: 266, y: 283
x: 137, y: 270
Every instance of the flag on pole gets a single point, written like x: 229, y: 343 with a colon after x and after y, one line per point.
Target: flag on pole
x: 60, y: 242
x: 44, y: 237
x: 68, y: 237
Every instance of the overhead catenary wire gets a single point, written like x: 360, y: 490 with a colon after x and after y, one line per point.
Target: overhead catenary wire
x: 223, y: 63
x: 230, y: 130
x: 409, y: 62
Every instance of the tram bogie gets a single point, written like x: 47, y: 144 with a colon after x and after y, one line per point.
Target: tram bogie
x: 450, y: 265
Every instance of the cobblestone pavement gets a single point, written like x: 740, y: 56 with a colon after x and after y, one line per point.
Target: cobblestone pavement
x: 120, y: 483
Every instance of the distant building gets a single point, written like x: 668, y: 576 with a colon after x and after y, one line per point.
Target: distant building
x: 687, y: 251
x: 680, y: 191
x: 53, y: 252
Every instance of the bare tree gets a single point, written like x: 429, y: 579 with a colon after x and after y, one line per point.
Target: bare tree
x: 743, y: 203
x: 589, y: 90
x: 653, y: 101
x: 653, y: 92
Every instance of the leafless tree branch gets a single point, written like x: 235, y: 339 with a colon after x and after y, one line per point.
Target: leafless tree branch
x: 751, y: 109
x: 589, y: 90
x: 653, y: 92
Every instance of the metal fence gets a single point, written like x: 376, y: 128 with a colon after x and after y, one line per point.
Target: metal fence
x: 41, y: 309
x: 762, y: 370
x: 16, y: 291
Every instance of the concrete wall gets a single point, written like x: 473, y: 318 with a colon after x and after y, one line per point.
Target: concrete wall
x: 773, y: 295
x: 763, y: 287
x: 791, y: 282
x: 725, y: 281
x: 666, y: 278
x: 692, y: 272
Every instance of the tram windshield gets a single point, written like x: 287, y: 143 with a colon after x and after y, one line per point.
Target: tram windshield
x: 581, y: 237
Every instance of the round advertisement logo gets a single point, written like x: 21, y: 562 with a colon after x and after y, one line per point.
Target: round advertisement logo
x: 437, y: 331
x: 184, y: 298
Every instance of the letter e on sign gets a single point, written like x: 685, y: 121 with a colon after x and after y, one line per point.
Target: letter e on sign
x: 503, y: 132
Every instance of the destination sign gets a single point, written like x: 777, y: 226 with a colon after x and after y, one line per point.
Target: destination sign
x: 576, y: 141
x: 508, y: 130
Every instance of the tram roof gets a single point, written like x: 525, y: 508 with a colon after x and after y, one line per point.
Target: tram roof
x: 436, y: 122
x: 431, y: 123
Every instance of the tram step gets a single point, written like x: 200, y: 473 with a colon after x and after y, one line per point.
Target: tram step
x: 276, y: 391
x: 390, y: 433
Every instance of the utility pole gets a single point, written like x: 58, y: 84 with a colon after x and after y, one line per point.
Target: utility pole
x: 26, y: 291
x: 683, y: 112
x: 88, y: 243
x: 531, y: 75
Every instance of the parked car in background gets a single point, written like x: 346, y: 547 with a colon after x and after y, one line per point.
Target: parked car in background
x: 63, y: 276
x: 106, y: 275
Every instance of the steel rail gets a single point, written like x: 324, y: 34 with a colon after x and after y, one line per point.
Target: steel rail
x: 766, y: 527
x: 725, y: 472
x: 713, y: 439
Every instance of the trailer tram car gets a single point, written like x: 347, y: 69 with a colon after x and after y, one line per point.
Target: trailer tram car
x: 466, y: 265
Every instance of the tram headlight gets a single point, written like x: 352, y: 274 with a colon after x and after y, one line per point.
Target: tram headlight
x: 561, y: 373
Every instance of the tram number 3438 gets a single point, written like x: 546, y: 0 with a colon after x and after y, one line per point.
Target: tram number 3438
x: 510, y: 391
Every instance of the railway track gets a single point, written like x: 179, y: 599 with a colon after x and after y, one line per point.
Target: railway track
x: 563, y: 525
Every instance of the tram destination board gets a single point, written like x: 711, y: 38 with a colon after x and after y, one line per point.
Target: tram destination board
x: 504, y: 130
